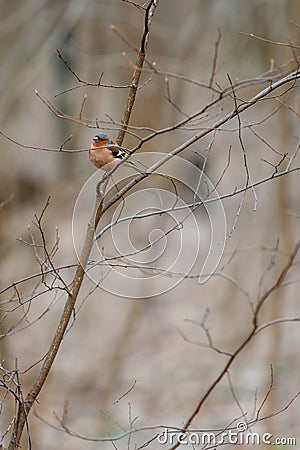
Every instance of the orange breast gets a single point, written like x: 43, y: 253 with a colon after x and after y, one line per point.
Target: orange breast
x: 100, y: 156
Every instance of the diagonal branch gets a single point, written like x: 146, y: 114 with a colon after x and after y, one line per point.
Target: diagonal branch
x: 137, y: 71
x: 25, y: 407
x: 244, y: 343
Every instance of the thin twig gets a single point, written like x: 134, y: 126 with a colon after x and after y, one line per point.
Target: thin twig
x: 214, y: 65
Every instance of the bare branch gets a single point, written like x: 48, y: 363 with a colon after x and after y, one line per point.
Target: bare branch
x: 149, y: 11
x: 23, y: 411
x: 213, y: 70
x: 269, y: 41
x: 243, y: 344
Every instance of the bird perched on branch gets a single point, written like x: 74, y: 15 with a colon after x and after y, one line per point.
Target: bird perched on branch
x: 104, y: 151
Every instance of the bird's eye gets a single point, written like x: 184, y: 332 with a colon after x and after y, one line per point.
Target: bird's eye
x: 96, y: 138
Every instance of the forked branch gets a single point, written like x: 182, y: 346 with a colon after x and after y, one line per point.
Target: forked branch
x: 25, y: 407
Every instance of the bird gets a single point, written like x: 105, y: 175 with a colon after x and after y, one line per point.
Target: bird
x: 104, y: 151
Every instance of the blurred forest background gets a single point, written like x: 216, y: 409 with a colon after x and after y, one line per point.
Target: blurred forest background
x: 114, y: 341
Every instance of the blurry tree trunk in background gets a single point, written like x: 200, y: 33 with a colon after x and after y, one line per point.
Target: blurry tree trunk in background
x: 276, y: 308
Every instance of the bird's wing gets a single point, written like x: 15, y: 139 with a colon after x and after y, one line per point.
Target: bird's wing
x: 117, y: 152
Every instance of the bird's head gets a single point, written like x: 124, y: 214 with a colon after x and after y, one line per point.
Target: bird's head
x: 101, y: 139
